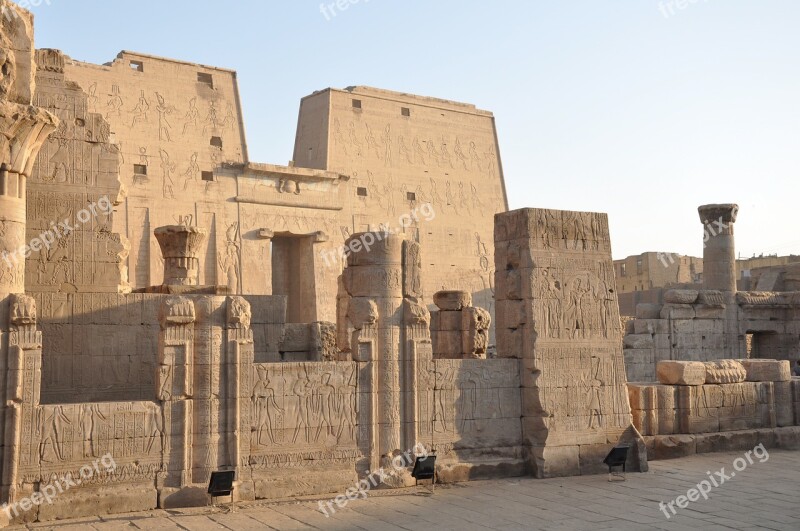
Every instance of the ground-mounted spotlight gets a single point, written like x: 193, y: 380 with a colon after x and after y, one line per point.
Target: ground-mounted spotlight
x: 221, y: 484
x: 615, y: 460
x: 425, y: 468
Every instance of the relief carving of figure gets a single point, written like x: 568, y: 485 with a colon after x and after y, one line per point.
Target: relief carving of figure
x: 386, y: 139
x: 167, y: 167
x: 54, y: 425
x: 354, y: 140
x: 348, y: 407
x: 163, y: 111
x: 91, y: 418
x: 192, y: 115
x: 267, y: 414
x: 372, y: 143
x: 327, y: 406
x: 229, y: 262
x: 141, y: 110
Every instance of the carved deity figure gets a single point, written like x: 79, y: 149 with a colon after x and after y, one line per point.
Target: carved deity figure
x: 268, y: 414
x: 53, y: 426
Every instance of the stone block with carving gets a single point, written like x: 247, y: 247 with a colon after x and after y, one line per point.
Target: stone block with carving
x: 681, y: 372
x: 725, y: 372
x: 681, y: 296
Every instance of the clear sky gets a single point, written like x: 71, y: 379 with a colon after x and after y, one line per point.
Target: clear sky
x: 644, y: 109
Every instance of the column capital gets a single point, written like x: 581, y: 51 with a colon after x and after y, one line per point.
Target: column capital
x: 726, y: 213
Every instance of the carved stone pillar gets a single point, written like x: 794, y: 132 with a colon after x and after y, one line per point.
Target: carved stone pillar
x: 374, y: 280
x: 23, y: 130
x: 719, y: 252
x: 175, y: 389
x: 23, y: 380
x: 555, y: 268
x: 180, y: 247
x: 240, y: 366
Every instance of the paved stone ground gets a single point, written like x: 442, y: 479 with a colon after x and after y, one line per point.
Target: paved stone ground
x: 763, y: 496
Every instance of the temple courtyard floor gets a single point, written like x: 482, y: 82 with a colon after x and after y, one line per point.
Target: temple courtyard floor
x: 764, y: 494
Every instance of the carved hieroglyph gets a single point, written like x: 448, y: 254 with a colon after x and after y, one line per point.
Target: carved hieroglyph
x: 558, y: 312
x: 77, y: 167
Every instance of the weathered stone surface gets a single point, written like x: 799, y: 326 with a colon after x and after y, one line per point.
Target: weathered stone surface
x: 681, y: 296
x: 639, y: 341
x: 725, y: 372
x: 648, y: 311
x: 681, y: 373
x: 452, y: 300
x: 558, y: 264
x: 767, y: 370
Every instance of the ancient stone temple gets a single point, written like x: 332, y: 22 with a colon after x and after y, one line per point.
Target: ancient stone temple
x: 170, y: 309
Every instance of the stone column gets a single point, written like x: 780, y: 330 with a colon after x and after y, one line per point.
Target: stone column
x: 719, y: 251
x: 240, y: 355
x: 180, y: 246
x: 374, y: 280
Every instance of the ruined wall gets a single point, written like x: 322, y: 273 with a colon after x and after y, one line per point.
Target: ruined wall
x: 76, y: 167
x: 706, y: 325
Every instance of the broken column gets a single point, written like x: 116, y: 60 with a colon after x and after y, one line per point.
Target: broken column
x: 386, y: 327
x: 459, y: 330
x: 374, y: 280
x: 181, y: 246
x: 719, y: 252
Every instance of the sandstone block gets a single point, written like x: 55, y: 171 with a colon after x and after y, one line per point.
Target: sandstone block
x: 648, y: 311
x: 681, y: 296
x: 452, y: 300
x: 681, y: 373
x: 678, y: 311
x: 639, y: 341
x: 767, y: 370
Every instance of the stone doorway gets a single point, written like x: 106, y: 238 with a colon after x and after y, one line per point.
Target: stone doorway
x: 293, y: 276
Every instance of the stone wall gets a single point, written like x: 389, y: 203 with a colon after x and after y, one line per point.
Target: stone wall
x: 77, y: 166
x: 557, y: 311
x: 704, y: 325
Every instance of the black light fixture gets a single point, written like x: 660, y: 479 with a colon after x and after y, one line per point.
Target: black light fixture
x: 616, y: 458
x: 221, y: 484
x: 425, y: 468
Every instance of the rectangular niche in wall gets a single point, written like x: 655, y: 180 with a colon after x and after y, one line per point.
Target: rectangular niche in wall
x: 293, y: 276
